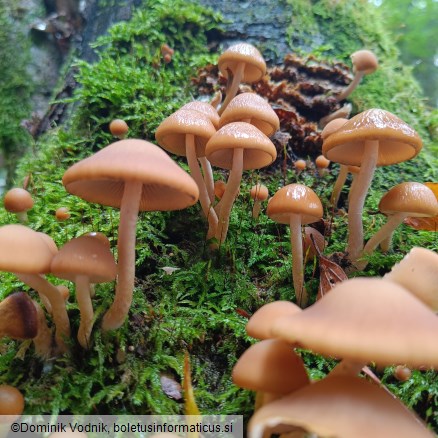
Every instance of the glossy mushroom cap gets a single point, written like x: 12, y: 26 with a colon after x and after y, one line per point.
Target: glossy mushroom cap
x: 254, y: 109
x: 255, y: 67
x: 18, y: 200
x: 260, y: 324
x: 332, y: 127
x: 87, y: 256
x: 417, y: 271
x: 366, y: 319
x: 204, y: 108
x: 259, y: 192
x: 413, y: 198
x: 101, y: 177
x: 397, y: 141
x: 18, y: 317
x: 11, y: 401
x: 171, y: 134
x: 270, y: 366
x: 118, y: 128
x: 295, y: 199
x: 342, y: 407
x: 62, y: 214
x: 364, y: 61
x: 258, y: 150
x: 321, y: 162
x: 24, y: 250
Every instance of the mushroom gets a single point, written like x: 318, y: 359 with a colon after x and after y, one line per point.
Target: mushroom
x: 62, y: 214
x: 133, y: 175
x: 186, y: 132
x: 408, y: 199
x: 11, y: 401
x: 18, y: 201
x: 372, y: 138
x: 25, y: 253
x: 118, y: 128
x: 258, y: 194
x: 241, y: 62
x: 417, y: 271
x: 237, y: 146
x: 300, y: 165
x: 364, y: 63
x: 341, y: 406
x: 296, y: 205
x: 322, y: 164
x: 85, y: 260
x: 272, y: 368
x: 219, y: 188
x: 361, y: 320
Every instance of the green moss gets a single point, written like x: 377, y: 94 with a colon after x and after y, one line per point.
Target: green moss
x: 198, y: 308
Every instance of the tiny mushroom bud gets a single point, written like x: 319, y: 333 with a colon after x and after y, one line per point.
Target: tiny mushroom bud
x: 364, y: 63
x: 258, y: 193
x: 62, y: 214
x: 296, y: 205
x: 219, y: 188
x: 402, y: 373
x: 18, y: 201
x: 300, y: 165
x: 118, y: 128
x: 322, y: 164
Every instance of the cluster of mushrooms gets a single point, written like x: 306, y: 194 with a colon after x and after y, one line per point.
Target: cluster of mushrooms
x: 233, y: 133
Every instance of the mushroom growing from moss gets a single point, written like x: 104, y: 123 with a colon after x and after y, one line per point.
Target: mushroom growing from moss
x: 372, y: 138
x: 296, y: 205
x: 18, y: 201
x: 258, y: 194
x: 133, y: 175
x: 408, y: 199
x: 118, y: 128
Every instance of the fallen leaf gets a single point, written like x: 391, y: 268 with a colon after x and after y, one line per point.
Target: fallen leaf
x: 170, y: 387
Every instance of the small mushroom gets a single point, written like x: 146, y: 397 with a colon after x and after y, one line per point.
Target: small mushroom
x: 18, y: 201
x: 258, y: 194
x: 118, y: 128
x: 364, y: 63
x: 408, y: 199
x: 11, y: 401
x: 296, y: 205
x: 300, y: 165
x: 62, y: 214
x: 321, y: 164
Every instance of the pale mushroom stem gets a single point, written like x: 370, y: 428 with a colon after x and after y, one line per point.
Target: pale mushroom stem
x: 117, y: 313
x: 85, y: 308
x: 384, y: 232
x: 296, y: 242
x: 256, y: 209
x: 22, y: 217
x: 204, y: 198
x: 234, y: 87
x: 351, y: 86
x: 208, y: 177
x: 43, y: 340
x: 386, y: 243
x: 230, y: 194
x: 337, y: 188
x: 357, y: 199
x: 59, y: 312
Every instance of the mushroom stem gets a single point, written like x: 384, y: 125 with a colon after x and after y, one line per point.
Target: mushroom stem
x: 234, y: 87
x: 208, y: 177
x: 43, y: 340
x: 386, y: 243
x: 256, y: 209
x: 22, y: 217
x: 296, y: 242
x: 129, y: 208
x: 337, y: 188
x: 351, y: 86
x: 86, y: 309
x: 204, y: 198
x: 59, y: 312
x: 230, y: 194
x: 357, y: 199
x: 384, y: 232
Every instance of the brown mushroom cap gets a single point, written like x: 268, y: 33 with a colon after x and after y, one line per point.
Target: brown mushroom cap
x: 295, y: 199
x: 258, y: 152
x: 87, y: 256
x: 62, y: 213
x: 270, y: 366
x: 24, y: 250
x: 364, y: 61
x: 172, y: 132
x: 18, y: 200
x: 101, y: 177
x: 415, y: 199
x: 259, y: 192
x: 118, y: 128
x: 18, y: 317
x: 11, y: 401
x: 342, y: 407
x: 260, y: 324
x: 322, y: 162
x: 366, y: 319
x: 255, y: 67
x: 397, y: 141
x: 332, y: 127
x: 204, y: 108
x: 252, y: 108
